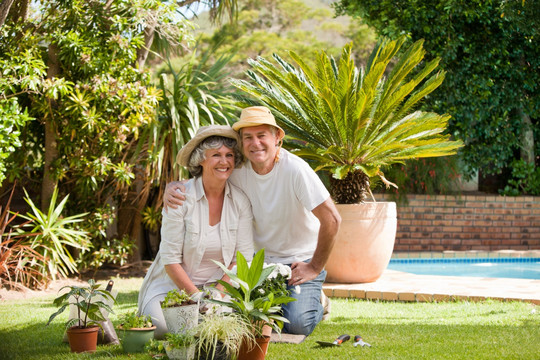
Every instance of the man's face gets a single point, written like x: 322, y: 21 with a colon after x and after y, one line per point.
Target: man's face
x: 259, y: 144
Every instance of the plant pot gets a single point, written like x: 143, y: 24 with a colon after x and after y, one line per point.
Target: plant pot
x: 364, y: 243
x: 254, y: 352
x: 220, y: 354
x: 179, y: 319
x: 181, y: 353
x: 82, y: 339
x: 134, y: 340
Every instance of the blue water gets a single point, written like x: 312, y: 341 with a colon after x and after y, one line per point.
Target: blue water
x: 520, y: 268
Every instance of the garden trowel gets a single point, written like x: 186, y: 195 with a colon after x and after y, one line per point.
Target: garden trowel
x: 337, y: 342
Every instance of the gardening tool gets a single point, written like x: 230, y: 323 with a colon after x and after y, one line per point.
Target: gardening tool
x: 337, y: 342
x: 358, y: 341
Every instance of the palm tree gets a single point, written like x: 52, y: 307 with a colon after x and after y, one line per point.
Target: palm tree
x: 352, y: 122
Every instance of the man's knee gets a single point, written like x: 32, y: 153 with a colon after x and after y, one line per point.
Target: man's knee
x: 303, y: 324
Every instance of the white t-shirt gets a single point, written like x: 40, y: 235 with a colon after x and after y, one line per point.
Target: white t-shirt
x: 282, y: 201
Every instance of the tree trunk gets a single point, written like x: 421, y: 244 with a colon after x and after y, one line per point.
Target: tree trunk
x: 527, y: 148
x: 5, y: 5
x: 142, y: 53
x: 353, y: 189
x: 51, y: 150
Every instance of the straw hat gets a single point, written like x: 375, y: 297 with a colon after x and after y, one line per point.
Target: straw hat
x: 255, y: 116
x: 202, y: 133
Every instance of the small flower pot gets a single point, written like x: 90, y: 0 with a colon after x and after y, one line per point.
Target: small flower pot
x: 180, y: 319
x: 181, y: 353
x: 134, y: 340
x: 82, y: 339
x: 255, y: 351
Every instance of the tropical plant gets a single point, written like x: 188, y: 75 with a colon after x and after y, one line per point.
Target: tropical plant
x: 218, y: 333
x: 88, y: 307
x: 53, y: 235
x: 131, y: 320
x: 256, y: 307
x: 353, y: 122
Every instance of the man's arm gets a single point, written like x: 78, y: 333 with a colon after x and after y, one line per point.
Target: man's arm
x: 330, y: 220
x: 171, y: 197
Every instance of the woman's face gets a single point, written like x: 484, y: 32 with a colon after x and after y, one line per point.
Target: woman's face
x: 219, y: 163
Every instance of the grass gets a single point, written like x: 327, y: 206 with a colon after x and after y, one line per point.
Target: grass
x: 454, y: 330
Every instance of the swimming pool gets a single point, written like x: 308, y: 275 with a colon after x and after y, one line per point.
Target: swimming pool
x: 521, y: 268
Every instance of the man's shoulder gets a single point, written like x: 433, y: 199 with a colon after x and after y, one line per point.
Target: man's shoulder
x: 294, y: 162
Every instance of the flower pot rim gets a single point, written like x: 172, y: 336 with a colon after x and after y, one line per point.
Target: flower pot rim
x: 153, y: 327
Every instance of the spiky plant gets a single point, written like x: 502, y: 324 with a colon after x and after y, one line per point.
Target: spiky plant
x: 350, y: 121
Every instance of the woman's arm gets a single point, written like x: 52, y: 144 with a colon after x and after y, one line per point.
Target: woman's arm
x: 177, y: 274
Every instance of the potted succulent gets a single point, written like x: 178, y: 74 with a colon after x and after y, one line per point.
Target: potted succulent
x: 180, y: 346
x: 257, y: 297
x: 82, y: 331
x: 180, y: 311
x: 351, y: 123
x: 137, y: 331
x: 219, y: 336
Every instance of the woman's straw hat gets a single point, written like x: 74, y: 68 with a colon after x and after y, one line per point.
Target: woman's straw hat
x: 202, y: 133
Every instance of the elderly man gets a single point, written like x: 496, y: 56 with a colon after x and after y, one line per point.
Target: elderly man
x: 295, y: 219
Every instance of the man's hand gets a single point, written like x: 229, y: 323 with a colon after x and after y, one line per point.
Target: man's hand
x: 302, y: 272
x: 173, y: 198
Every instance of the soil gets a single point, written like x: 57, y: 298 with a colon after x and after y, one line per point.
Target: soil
x: 105, y: 273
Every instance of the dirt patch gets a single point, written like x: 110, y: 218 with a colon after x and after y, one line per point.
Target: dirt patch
x: 105, y: 273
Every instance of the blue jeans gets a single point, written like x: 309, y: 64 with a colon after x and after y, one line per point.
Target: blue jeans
x: 306, y: 312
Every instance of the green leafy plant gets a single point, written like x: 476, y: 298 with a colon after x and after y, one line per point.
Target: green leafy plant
x: 131, y: 320
x: 151, y: 218
x: 246, y: 300
x: 88, y: 307
x: 178, y: 340
x: 525, y: 179
x: 349, y: 121
x: 177, y: 297
x: 108, y: 251
x: 52, y: 235
x: 222, y: 333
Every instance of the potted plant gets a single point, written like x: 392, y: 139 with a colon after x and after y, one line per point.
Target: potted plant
x: 83, y: 330
x: 180, y: 311
x: 257, y: 297
x: 137, y: 331
x: 180, y: 346
x: 219, y: 336
x: 351, y: 123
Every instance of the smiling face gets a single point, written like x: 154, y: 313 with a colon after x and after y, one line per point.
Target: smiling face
x: 218, y: 163
x: 260, y: 146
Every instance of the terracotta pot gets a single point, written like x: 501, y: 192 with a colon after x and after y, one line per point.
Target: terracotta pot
x: 82, y: 339
x: 180, y: 319
x: 364, y: 243
x: 134, y: 339
x: 254, y: 352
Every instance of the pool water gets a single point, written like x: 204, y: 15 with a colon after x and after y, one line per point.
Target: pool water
x: 521, y: 268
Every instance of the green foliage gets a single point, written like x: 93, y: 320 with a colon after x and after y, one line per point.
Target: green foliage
x: 423, y: 176
x: 52, y: 235
x: 130, y: 320
x: 489, y: 50
x: 88, y: 308
x: 176, y: 297
x: 246, y: 300
x: 175, y: 341
x: 107, y: 251
x: 347, y: 121
x: 525, y: 179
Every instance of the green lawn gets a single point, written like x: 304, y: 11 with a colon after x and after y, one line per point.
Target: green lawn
x: 457, y: 330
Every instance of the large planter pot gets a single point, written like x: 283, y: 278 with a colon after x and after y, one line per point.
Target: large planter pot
x: 180, y: 319
x: 254, y: 352
x: 219, y: 354
x: 364, y: 243
x: 135, y: 339
x: 182, y: 353
x: 82, y: 339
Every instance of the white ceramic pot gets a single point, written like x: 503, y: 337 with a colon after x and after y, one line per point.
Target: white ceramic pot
x: 182, y: 353
x: 364, y: 243
x: 179, y: 319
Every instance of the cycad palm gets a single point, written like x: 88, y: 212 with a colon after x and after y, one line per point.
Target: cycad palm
x: 349, y: 121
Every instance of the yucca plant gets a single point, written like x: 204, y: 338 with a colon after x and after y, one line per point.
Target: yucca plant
x: 53, y: 236
x: 352, y: 122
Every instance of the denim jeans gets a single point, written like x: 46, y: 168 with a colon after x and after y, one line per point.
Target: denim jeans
x: 306, y: 312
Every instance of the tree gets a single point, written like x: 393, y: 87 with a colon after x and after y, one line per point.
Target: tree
x: 490, y: 52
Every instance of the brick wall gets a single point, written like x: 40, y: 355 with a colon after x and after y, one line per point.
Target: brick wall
x: 468, y: 222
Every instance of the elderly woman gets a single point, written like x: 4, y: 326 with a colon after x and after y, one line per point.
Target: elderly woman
x: 214, y: 222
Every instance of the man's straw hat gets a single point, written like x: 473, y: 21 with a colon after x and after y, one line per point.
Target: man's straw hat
x: 255, y: 116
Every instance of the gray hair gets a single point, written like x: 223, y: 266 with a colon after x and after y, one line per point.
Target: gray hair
x: 212, y: 142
